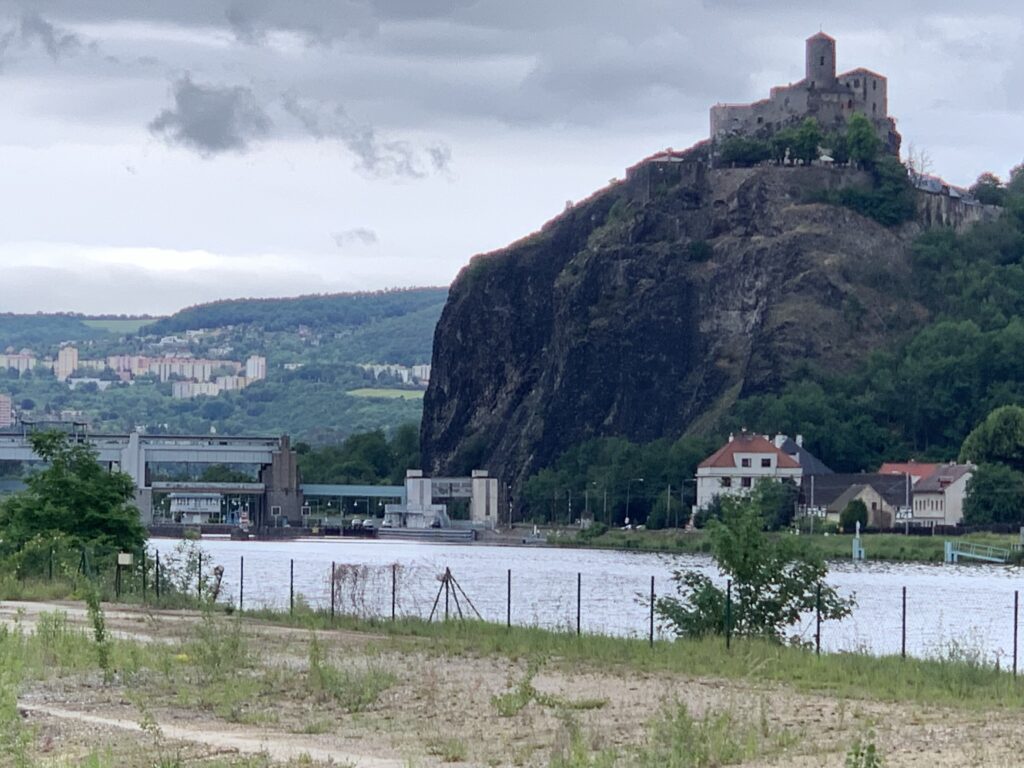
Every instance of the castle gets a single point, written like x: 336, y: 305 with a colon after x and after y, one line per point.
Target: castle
x: 822, y: 94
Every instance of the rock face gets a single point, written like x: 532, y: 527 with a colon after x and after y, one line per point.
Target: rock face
x: 648, y: 309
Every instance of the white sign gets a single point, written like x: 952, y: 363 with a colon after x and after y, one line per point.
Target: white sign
x: 125, y: 558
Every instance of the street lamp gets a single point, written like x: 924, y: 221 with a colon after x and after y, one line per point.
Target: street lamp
x: 629, y: 484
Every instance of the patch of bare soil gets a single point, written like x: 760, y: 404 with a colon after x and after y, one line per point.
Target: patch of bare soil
x: 469, y: 710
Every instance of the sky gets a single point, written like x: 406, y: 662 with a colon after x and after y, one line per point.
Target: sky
x: 160, y: 154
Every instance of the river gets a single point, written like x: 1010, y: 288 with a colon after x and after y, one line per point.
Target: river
x: 967, y: 608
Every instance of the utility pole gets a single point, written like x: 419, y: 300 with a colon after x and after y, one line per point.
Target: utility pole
x: 668, y: 503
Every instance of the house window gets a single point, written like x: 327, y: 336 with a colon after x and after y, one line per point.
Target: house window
x: 849, y: 104
x: 874, y: 85
x: 727, y: 482
x: 760, y: 120
x: 873, y: 108
x: 856, y: 83
x: 822, y: 61
x: 744, y: 462
x: 766, y: 462
x: 746, y: 482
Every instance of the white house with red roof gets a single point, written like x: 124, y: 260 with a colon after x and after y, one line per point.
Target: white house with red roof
x: 736, y: 467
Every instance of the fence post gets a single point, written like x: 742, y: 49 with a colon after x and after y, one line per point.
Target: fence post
x: 394, y: 589
x: 1017, y: 596
x: 903, y: 634
x: 199, y: 579
x: 291, y: 586
x: 817, y: 617
x: 143, y: 576
x: 446, y: 584
x: 156, y: 575
x: 508, y: 601
x: 241, y: 583
x: 579, y: 600
x: 728, y: 614
x: 51, y: 562
x: 332, y: 591
x: 652, y: 612
x: 117, y: 581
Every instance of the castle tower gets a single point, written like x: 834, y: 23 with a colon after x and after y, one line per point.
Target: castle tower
x: 821, y: 61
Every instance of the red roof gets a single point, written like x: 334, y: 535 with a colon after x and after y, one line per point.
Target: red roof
x: 748, y: 443
x: 912, y: 468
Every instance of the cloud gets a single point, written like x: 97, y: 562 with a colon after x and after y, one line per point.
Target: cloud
x: 357, y: 236
x: 56, y: 41
x: 211, y: 119
x: 374, y: 155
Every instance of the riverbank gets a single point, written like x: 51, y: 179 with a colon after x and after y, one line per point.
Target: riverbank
x: 888, y: 547
x: 183, y: 687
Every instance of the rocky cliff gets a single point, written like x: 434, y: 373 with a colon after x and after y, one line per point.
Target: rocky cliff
x: 649, y: 308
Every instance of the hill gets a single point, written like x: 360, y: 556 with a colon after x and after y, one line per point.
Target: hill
x: 688, y: 300
x: 314, y: 346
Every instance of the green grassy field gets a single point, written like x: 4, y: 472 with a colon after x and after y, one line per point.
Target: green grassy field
x: 387, y: 394
x: 118, y: 325
x: 880, y: 546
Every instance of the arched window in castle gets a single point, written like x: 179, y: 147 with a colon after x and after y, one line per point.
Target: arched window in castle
x: 849, y: 104
x: 874, y: 85
x: 822, y: 62
x: 874, y: 108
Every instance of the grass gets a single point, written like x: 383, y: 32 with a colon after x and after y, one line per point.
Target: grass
x: 119, y: 325
x: 387, y: 394
x: 889, y: 547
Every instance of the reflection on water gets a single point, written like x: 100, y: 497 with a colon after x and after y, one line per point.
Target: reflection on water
x: 964, y: 606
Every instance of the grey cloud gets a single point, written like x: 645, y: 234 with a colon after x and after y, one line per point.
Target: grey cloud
x: 56, y: 41
x: 374, y: 155
x: 357, y: 236
x: 211, y: 119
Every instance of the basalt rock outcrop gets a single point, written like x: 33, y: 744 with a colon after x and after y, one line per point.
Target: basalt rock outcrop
x: 649, y: 308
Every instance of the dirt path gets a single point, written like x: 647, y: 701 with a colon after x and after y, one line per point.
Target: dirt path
x: 275, y: 746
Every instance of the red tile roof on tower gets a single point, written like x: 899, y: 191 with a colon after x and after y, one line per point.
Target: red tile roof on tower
x: 821, y: 36
x: 748, y: 443
x: 914, y: 469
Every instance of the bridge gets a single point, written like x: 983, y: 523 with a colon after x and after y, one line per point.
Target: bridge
x: 974, y: 551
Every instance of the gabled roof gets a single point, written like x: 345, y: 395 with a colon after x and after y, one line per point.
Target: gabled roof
x: 946, y: 474
x: 846, y: 497
x: 916, y: 470
x: 823, y: 490
x: 748, y: 443
x: 810, y: 463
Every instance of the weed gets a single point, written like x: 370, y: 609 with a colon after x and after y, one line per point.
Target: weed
x: 449, y: 750
x: 354, y: 690
x: 863, y: 753
x: 513, y: 702
x: 99, y: 630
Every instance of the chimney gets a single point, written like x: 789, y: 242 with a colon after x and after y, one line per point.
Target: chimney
x: 800, y: 441
x: 731, y: 437
x: 780, y: 440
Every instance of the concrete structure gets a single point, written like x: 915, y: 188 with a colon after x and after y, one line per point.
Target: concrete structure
x: 22, y: 362
x: 939, y: 498
x: 186, y: 390
x: 66, y: 363
x: 6, y: 411
x: 737, y: 467
x: 194, y: 508
x: 134, y: 454
x: 420, y: 510
x: 256, y: 368
x: 830, y: 98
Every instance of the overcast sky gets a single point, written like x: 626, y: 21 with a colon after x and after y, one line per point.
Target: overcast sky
x: 160, y: 154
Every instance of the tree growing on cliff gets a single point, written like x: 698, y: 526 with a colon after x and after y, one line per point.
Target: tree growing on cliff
x: 75, y: 498
x: 989, y: 190
x: 774, y: 582
x: 862, y: 142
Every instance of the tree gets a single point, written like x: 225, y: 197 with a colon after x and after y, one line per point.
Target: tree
x: 998, y: 439
x: 807, y: 141
x: 1015, y: 186
x: 839, y: 148
x: 74, y: 497
x: 783, y: 144
x: 744, y: 151
x: 862, y: 141
x: 989, y: 190
x: 855, y: 512
x: 995, y: 494
x: 774, y: 582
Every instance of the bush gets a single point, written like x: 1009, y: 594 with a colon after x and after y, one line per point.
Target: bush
x: 744, y: 151
x: 856, y: 512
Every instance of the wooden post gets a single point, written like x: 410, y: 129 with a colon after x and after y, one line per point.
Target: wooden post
x: 199, y: 579
x: 143, y: 575
x: 652, y: 612
x: 156, y: 575
x: 579, y: 601
x: 817, y: 617
x: 241, y: 583
x: 728, y: 614
x: 291, y: 586
x: 903, y: 641
x: 51, y: 562
x: 1017, y: 597
x: 332, y: 591
x: 508, y: 601
x: 394, y: 589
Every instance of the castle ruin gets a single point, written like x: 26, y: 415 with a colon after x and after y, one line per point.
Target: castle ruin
x: 830, y: 98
